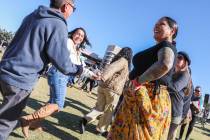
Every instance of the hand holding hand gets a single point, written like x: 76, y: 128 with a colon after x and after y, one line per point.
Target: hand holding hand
x: 96, y: 76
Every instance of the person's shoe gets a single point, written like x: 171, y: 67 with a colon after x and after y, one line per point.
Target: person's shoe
x: 98, y: 133
x: 24, y: 123
x: 105, y: 134
x: 83, y: 124
x: 36, y: 125
x: 43, y: 112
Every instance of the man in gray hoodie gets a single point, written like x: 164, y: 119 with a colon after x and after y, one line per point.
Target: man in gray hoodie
x: 41, y: 38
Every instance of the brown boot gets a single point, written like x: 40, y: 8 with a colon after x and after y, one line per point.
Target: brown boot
x: 40, y: 114
x: 36, y: 125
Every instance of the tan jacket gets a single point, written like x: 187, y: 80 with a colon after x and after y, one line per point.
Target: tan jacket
x: 115, y: 75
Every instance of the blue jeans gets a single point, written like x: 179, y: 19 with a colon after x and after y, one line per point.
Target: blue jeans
x: 57, y: 82
x: 71, y: 80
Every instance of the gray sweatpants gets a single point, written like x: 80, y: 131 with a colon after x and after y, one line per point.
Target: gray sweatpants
x: 14, y: 101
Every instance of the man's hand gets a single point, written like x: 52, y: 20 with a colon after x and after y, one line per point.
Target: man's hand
x: 79, y: 71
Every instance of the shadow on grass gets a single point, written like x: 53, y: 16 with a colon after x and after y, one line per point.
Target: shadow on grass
x: 75, y: 104
x: 207, y: 134
x: 65, y: 119
x: 57, y: 132
x: 92, y: 97
x: 207, y: 131
x: 35, y: 104
x: 16, y: 135
x: 72, y: 122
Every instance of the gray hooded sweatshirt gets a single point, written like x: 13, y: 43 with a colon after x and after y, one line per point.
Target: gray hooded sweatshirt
x: 41, y: 38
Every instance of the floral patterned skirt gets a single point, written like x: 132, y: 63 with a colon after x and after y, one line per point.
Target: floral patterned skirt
x: 142, y: 115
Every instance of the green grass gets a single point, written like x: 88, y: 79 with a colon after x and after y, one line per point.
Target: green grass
x: 65, y: 124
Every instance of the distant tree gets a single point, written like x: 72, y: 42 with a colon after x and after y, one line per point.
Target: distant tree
x: 5, y: 37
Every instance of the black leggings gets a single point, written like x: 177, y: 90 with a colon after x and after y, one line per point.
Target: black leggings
x: 92, y: 83
x: 190, y: 128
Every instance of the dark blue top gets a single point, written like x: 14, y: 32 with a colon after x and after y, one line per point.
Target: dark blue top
x: 187, y: 100
x: 41, y: 38
x: 176, y: 89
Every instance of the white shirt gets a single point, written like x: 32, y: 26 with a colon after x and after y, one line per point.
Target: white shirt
x: 75, y: 57
x: 74, y: 54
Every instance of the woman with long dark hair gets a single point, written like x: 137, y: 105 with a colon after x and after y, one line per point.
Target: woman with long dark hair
x: 110, y: 88
x: 58, y: 82
x: 145, y: 112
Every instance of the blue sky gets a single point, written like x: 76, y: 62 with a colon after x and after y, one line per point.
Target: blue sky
x: 130, y: 23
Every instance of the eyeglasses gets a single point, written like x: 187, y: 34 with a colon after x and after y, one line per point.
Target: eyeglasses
x: 74, y: 8
x: 196, y: 90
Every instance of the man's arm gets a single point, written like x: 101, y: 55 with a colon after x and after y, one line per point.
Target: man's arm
x: 58, y: 53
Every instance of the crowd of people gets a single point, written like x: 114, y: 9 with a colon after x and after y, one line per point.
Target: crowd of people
x: 145, y: 102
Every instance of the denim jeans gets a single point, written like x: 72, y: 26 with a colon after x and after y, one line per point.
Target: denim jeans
x: 58, y: 87
x: 175, y: 121
x: 71, y: 80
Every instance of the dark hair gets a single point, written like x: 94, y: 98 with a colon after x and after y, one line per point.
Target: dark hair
x: 85, y: 40
x: 190, y: 71
x: 198, y: 87
x: 189, y: 87
x: 56, y: 4
x: 125, y: 52
x: 172, y: 24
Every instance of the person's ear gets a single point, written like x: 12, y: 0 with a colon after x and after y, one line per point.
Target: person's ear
x: 185, y: 65
x: 66, y: 7
x: 173, y: 31
x: 63, y: 8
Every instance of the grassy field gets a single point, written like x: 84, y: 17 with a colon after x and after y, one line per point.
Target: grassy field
x: 65, y: 124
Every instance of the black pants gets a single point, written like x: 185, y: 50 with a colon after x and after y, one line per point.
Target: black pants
x: 14, y: 101
x: 190, y: 128
x: 92, y: 83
